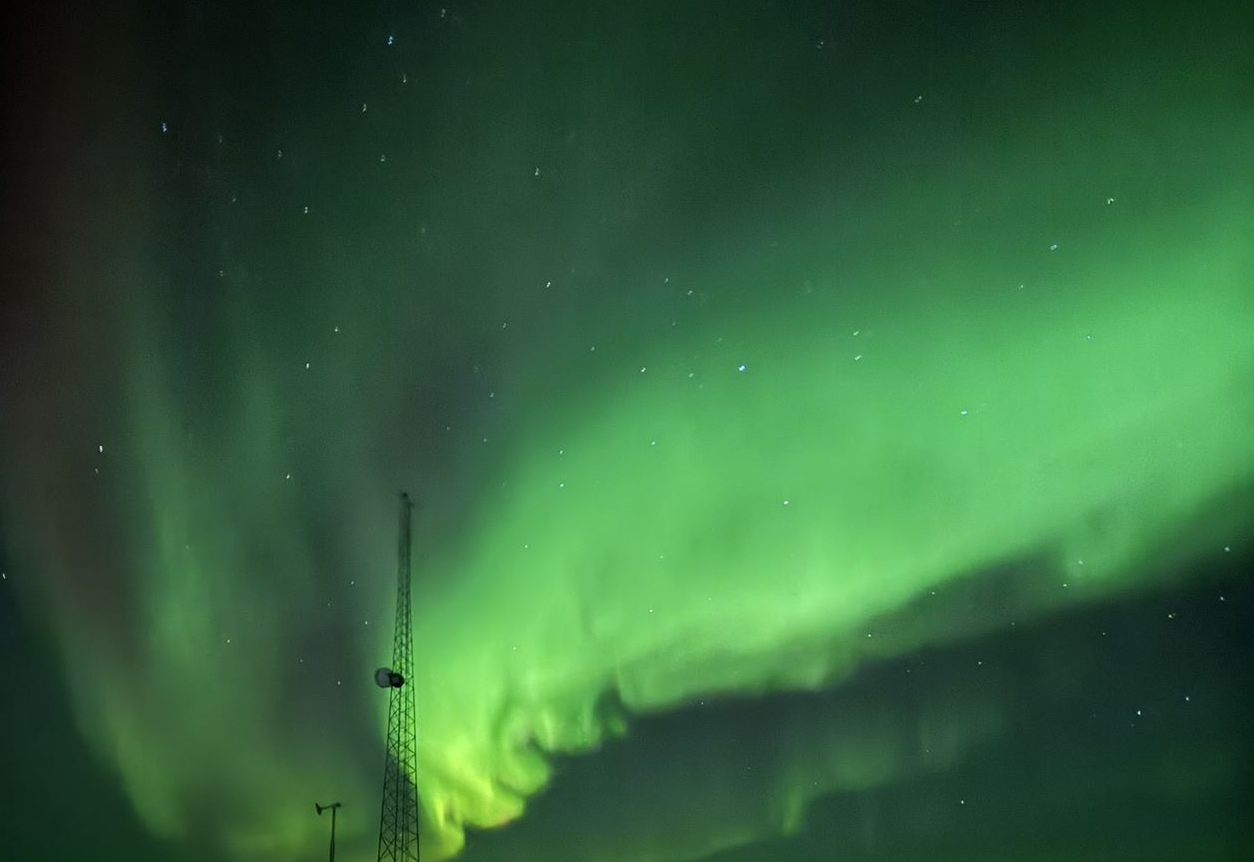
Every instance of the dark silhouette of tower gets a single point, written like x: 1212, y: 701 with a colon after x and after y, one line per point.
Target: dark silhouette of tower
x: 398, y: 824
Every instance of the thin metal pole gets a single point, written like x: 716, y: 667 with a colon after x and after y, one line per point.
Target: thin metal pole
x: 334, y: 806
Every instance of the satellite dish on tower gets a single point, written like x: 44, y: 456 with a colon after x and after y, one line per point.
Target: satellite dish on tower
x: 387, y: 678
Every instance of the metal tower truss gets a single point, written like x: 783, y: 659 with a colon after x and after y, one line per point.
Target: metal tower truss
x: 398, y: 824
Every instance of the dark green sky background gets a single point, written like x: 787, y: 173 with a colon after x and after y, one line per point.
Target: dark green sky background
x: 830, y: 422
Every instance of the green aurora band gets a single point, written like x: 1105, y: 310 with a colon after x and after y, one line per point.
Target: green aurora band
x: 709, y: 531
x: 791, y: 483
x: 695, y: 530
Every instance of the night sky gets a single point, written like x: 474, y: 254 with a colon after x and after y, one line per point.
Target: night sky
x: 831, y: 427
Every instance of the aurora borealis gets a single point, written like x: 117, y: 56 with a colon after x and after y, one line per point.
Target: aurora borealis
x: 830, y: 426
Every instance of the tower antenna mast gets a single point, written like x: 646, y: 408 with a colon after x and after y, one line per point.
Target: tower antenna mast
x: 398, y: 824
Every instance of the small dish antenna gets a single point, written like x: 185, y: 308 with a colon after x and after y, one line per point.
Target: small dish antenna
x: 387, y: 678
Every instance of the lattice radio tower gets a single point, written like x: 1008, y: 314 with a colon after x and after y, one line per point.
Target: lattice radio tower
x: 398, y: 824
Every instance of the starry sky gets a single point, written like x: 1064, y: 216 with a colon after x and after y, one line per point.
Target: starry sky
x: 830, y: 427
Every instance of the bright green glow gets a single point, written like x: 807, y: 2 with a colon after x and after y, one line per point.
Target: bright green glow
x: 633, y: 550
x: 663, y: 571
x: 638, y: 552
